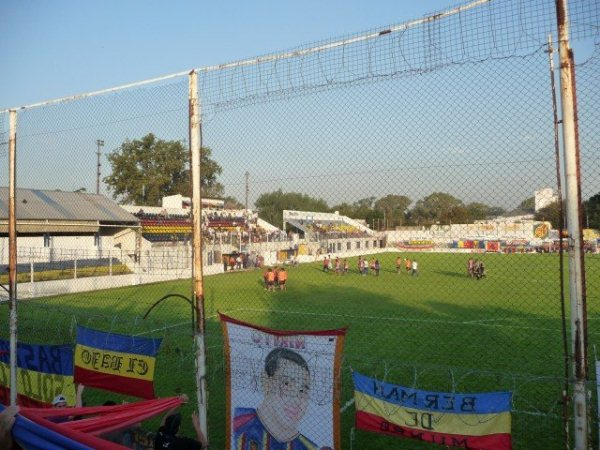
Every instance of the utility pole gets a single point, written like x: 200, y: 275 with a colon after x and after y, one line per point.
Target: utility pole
x: 247, y: 189
x: 100, y: 144
x: 577, y: 294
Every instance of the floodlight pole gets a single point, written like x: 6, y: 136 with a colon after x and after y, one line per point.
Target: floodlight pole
x: 574, y: 222
x: 12, y: 252
x: 195, y: 131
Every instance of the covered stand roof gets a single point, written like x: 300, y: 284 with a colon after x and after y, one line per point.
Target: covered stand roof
x: 62, y: 211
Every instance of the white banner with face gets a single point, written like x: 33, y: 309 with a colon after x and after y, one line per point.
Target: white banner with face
x: 282, y: 387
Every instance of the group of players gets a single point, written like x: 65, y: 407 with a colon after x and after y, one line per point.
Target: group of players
x: 275, y: 278
x: 373, y: 266
x: 476, y: 268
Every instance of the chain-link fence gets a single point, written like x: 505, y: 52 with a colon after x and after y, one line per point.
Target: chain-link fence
x: 431, y: 141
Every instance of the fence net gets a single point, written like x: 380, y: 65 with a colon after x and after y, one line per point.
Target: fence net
x: 429, y: 143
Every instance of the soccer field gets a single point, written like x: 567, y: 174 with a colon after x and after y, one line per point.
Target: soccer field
x: 438, y: 331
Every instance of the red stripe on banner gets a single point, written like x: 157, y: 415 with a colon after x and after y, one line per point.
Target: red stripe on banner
x: 114, y: 383
x: 336, y: 332
x: 22, y: 400
x: 376, y: 424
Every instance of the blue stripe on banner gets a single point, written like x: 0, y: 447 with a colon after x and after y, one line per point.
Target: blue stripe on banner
x: 31, y: 436
x: 117, y: 342
x: 449, y: 402
x: 50, y: 359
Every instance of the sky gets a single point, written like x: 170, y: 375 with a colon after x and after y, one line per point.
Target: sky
x: 53, y: 49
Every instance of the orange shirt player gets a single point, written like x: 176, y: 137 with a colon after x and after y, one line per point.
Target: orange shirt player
x: 282, y: 276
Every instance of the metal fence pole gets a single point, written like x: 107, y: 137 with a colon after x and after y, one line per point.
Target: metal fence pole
x: 573, y: 206
x: 12, y: 252
x: 195, y: 154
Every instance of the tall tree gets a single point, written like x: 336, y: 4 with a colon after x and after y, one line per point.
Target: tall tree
x: 481, y: 211
x: 439, y: 207
x: 592, y: 212
x: 145, y: 170
x: 550, y: 214
x: 270, y: 205
x: 527, y: 205
x: 394, y: 209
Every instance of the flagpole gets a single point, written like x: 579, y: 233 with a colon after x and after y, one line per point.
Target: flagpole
x: 195, y: 139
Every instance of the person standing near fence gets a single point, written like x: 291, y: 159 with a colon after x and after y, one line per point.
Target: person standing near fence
x: 398, y: 264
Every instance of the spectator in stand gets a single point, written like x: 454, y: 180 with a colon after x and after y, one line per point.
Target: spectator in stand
x: 282, y: 277
x: 167, y: 438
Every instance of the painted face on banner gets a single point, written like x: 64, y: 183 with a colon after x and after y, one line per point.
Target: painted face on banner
x: 288, y: 392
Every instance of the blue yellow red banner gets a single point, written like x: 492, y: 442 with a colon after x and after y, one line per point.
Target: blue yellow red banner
x: 473, y: 421
x: 43, y: 372
x: 116, y: 362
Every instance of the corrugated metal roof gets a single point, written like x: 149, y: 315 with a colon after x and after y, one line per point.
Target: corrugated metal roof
x: 36, y: 204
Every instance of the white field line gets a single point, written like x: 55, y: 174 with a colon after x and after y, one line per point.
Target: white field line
x: 405, y: 320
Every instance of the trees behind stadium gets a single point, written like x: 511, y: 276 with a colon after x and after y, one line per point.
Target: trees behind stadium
x: 146, y: 170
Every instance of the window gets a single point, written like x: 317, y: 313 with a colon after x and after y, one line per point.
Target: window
x: 97, y: 240
x: 47, y: 240
x: 357, y: 245
x: 348, y: 245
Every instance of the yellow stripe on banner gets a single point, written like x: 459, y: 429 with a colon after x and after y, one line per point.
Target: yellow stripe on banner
x: 433, y: 421
x: 130, y: 365
x: 40, y: 386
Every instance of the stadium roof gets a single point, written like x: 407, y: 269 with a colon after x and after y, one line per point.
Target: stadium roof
x: 36, y: 204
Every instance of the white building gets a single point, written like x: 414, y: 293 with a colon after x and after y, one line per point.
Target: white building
x: 57, y: 225
x: 544, y: 197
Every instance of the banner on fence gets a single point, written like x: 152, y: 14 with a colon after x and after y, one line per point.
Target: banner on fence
x: 282, y: 387
x: 479, y: 421
x: 116, y: 362
x: 43, y: 372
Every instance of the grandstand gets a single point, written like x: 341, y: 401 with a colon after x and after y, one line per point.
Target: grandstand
x: 317, y: 225
x: 56, y: 228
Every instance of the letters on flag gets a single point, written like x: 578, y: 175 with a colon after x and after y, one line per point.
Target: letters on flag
x: 282, y: 387
x: 480, y: 421
x: 43, y: 371
x: 116, y: 362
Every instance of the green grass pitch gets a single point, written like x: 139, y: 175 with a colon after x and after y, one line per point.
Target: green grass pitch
x: 439, y: 331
